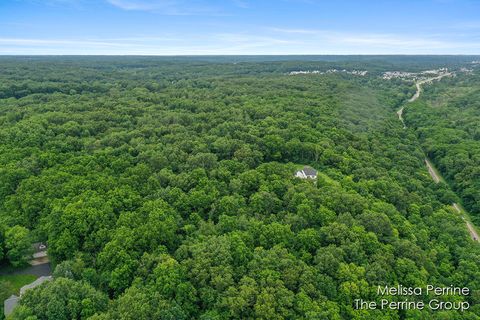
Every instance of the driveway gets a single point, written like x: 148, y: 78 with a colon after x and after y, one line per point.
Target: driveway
x: 38, y: 270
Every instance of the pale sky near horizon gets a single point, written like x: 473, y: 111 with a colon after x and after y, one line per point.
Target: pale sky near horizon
x: 206, y: 27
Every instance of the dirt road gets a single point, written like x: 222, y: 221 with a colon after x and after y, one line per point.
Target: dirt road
x: 417, y: 93
x: 432, y: 171
x: 436, y: 177
x: 456, y: 207
x: 471, y: 228
x: 472, y: 231
x: 400, y: 116
x: 418, y: 84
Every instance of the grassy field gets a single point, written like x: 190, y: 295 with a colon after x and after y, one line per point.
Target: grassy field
x: 15, y: 282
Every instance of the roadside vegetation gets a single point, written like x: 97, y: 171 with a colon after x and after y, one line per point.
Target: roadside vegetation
x: 446, y: 121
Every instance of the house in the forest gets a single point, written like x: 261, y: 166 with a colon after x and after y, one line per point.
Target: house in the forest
x: 306, y: 173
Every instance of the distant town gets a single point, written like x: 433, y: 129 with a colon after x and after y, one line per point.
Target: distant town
x: 330, y: 71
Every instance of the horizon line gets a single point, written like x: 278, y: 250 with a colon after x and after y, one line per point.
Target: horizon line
x: 240, y: 55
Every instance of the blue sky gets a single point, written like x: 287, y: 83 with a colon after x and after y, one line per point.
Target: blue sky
x: 205, y: 27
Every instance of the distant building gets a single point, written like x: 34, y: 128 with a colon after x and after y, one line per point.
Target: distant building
x: 11, y: 303
x: 306, y: 173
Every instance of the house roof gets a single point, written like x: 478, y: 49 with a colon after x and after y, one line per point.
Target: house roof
x: 10, y: 304
x: 309, y: 171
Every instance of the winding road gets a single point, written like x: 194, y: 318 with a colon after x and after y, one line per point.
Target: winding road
x: 431, y: 170
x: 418, y: 84
x: 437, y: 178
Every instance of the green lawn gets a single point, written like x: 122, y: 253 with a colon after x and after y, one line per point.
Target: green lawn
x: 15, y: 282
x: 11, y: 284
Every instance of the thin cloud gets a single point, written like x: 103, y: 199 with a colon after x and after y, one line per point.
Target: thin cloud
x: 71, y: 3
x: 392, y: 42
x: 248, y: 38
x: 55, y: 42
x: 467, y: 25
x: 143, y: 5
x: 266, y: 41
x: 241, y: 4
x: 294, y: 31
x: 178, y: 7
x: 222, y: 43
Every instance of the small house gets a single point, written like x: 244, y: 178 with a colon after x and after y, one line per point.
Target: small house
x: 306, y: 173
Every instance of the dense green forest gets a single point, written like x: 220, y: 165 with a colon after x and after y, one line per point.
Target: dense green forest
x: 165, y: 188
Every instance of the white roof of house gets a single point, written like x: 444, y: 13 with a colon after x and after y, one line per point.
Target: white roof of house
x: 307, y: 172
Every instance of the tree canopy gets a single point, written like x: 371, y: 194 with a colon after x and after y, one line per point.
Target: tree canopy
x: 165, y: 189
